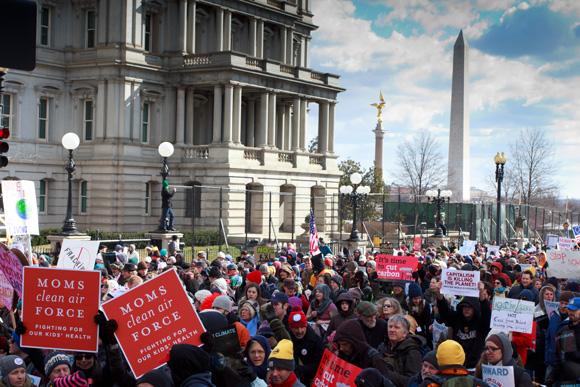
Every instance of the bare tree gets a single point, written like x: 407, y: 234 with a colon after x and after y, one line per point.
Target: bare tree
x: 532, y: 160
x: 420, y: 165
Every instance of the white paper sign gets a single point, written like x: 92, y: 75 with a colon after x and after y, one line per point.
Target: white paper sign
x: 460, y: 282
x: 455, y: 302
x: 563, y: 264
x: 532, y: 250
x: 551, y: 307
x: 551, y: 241
x: 467, y: 248
x: 492, y: 251
x: 78, y: 255
x: 438, y: 329
x: 525, y: 266
x: 20, y: 207
x: 566, y: 244
x: 498, y: 376
x: 512, y: 315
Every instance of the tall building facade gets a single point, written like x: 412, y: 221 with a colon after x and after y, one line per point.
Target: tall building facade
x: 228, y: 82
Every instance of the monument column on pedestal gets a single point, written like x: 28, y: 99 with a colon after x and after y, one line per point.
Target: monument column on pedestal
x: 379, y: 133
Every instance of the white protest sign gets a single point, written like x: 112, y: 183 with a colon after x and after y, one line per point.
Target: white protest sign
x: 492, y: 251
x: 551, y: 241
x: 20, y: 207
x: 566, y: 244
x: 525, y: 266
x: 498, y: 376
x: 460, y: 282
x: 467, y: 248
x: 455, y: 302
x: 438, y: 329
x: 563, y: 264
x: 532, y: 250
x: 512, y: 315
x: 78, y: 255
x: 551, y: 307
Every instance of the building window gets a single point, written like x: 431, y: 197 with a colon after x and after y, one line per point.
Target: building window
x: 88, y: 123
x: 90, y: 28
x: 147, y: 198
x: 145, y: 122
x: 6, y: 117
x: 148, y: 28
x: 43, y: 119
x: 45, y: 26
x: 42, y: 197
x: 83, y: 197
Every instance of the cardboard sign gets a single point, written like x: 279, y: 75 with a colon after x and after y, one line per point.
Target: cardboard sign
x: 492, y: 251
x: 438, y: 329
x: 551, y: 307
x: 6, y: 291
x: 11, y: 266
x: 498, y: 376
x: 152, y: 317
x: 264, y: 253
x: 552, y: 241
x: 79, y: 255
x: 227, y: 343
x: 467, y: 248
x: 512, y: 315
x: 394, y: 267
x: 563, y: 264
x: 566, y: 244
x: 333, y: 371
x: 417, y: 244
x: 460, y: 282
x: 386, y: 248
x: 20, y: 207
x: 58, y: 309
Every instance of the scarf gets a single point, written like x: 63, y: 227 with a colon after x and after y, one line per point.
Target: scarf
x: 252, y: 325
x: 288, y: 383
x: 325, y: 303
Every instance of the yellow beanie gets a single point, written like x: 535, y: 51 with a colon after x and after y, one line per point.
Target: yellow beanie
x: 450, y: 352
x: 282, y: 356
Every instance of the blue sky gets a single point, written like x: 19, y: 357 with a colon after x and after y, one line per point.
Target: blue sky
x: 524, y: 63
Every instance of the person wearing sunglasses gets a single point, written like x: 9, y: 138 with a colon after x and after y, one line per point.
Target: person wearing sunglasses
x: 96, y: 373
x: 500, y: 288
x: 498, y: 352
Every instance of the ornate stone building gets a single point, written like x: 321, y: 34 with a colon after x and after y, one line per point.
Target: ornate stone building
x: 228, y: 82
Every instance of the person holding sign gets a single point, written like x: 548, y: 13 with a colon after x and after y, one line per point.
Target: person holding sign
x: 498, y: 352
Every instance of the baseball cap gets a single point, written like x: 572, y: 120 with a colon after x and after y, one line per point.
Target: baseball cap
x: 280, y: 297
x: 574, y: 304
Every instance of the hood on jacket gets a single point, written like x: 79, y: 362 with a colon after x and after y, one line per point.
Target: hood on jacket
x: 352, y: 331
x: 348, y: 298
x: 186, y: 360
x: 507, y: 350
x: 470, y: 301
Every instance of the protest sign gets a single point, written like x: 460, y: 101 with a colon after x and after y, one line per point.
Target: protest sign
x: 492, y: 251
x: 6, y: 291
x: 438, y: 329
x: 227, y: 343
x: 455, y: 302
x: 333, y: 371
x: 563, y: 264
x: 552, y: 241
x: 20, y: 207
x: 512, y: 315
x: 11, y: 266
x: 498, y: 376
x: 551, y: 307
x: 264, y: 254
x: 152, y: 318
x: 417, y: 244
x: 531, y: 250
x: 78, y: 255
x: 467, y: 248
x: 525, y: 266
x: 386, y: 248
x: 394, y: 267
x: 58, y: 309
x: 460, y: 282
x: 566, y: 244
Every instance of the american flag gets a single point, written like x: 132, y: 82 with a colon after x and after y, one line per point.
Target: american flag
x: 313, y: 236
x: 575, y: 230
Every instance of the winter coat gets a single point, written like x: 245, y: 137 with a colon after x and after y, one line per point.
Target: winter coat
x: 567, y: 362
x: 516, y: 290
x: 308, y: 353
x: 198, y: 380
x: 375, y: 336
x: 405, y: 358
x: 342, y: 316
x: 554, y: 326
x: 423, y: 319
x: 449, y: 372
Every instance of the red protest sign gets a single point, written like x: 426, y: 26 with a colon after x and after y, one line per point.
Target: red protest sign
x: 417, y: 244
x: 394, y: 267
x: 58, y: 309
x: 151, y: 318
x: 333, y: 371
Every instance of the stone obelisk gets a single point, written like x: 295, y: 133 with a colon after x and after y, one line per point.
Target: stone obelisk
x: 458, y: 170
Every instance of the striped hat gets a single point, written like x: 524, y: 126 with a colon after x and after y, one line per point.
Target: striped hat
x: 75, y: 380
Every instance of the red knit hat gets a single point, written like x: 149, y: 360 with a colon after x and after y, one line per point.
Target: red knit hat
x: 297, y: 318
x: 255, y: 277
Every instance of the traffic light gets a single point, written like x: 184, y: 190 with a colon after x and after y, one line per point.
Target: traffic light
x: 4, y: 134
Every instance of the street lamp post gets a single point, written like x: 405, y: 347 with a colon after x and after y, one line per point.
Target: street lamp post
x: 356, y: 194
x: 165, y: 150
x: 438, y: 197
x: 500, y: 161
x: 71, y: 142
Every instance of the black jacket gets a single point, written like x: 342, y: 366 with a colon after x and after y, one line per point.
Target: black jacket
x: 166, y: 198
x: 308, y: 353
x: 375, y: 336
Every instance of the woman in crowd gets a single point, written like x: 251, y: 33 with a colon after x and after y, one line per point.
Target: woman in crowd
x: 500, y: 288
x: 93, y: 369
x: 252, y: 292
x: 536, y: 358
x: 419, y: 309
x: 256, y: 354
x: 388, y: 307
x: 249, y: 317
x: 321, y: 309
x: 345, y: 306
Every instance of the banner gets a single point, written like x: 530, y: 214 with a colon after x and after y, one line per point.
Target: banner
x: 492, y: 251
x: 460, y: 282
x: 264, y: 254
x: 498, y: 376
x: 512, y: 315
x: 20, y: 207
x: 11, y: 267
x: 467, y: 248
x: 395, y: 267
x: 333, y: 371
x: 566, y: 244
x: 417, y: 243
x: 152, y: 317
x: 79, y: 255
x: 438, y: 329
x: 58, y: 309
x: 563, y: 264
x: 6, y: 291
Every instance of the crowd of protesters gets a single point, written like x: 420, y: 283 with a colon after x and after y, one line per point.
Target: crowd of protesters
x: 289, y: 310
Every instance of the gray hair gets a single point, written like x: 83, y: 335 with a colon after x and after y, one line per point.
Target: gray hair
x: 400, y: 319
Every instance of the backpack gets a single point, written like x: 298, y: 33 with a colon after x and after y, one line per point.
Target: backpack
x: 458, y: 381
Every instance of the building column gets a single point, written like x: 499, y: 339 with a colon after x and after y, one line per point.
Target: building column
x: 228, y: 114
x: 303, y: 123
x: 217, y: 114
x: 322, y: 127
x: 272, y: 119
x: 191, y: 11
x: 182, y: 25
x: 251, y: 122
x: 260, y: 40
x: 280, y: 127
x: 219, y: 29
x: 237, y: 118
x: 180, y: 116
x: 263, y: 125
x: 228, y: 31
x: 252, y: 37
x: 189, y: 111
x: 283, y: 44
x: 290, y: 47
x: 307, y: 52
x: 295, y: 124
x: 287, y: 127
x: 331, y: 107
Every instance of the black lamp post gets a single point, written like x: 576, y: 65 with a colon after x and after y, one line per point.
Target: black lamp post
x: 500, y: 161
x: 165, y: 150
x: 438, y: 198
x: 356, y: 194
x: 71, y: 142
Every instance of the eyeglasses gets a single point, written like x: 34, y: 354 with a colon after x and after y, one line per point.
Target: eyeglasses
x: 387, y: 306
x: 490, y: 349
x: 83, y: 356
x: 104, y: 286
x: 257, y: 353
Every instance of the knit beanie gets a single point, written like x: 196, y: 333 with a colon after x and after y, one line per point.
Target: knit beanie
x: 157, y: 378
x: 200, y: 295
x: 328, y: 262
x: 355, y: 293
x: 264, y: 269
x: 255, y: 277
x: 222, y: 302
x: 221, y: 284
x: 431, y: 358
x: 75, y: 380
x: 527, y: 295
x: 265, y: 330
x: 289, y: 283
x: 53, y: 360
x: 450, y: 352
x: 10, y: 363
x: 503, y: 342
x: 372, y: 264
x: 502, y: 280
x: 414, y: 291
x: 338, y: 279
x: 282, y: 356
x: 566, y: 296
x: 370, y: 377
x: 554, y: 282
x: 252, y: 305
x: 297, y: 318
x: 295, y: 301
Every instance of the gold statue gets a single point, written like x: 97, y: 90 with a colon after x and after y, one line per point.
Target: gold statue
x: 380, y: 106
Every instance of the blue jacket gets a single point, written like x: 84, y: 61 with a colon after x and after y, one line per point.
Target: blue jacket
x: 198, y: 380
x: 553, y: 327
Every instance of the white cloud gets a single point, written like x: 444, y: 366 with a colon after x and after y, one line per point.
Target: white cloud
x: 564, y: 6
x: 521, y: 6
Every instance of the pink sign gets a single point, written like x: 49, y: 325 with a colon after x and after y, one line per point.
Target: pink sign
x: 6, y: 291
x: 12, y: 268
